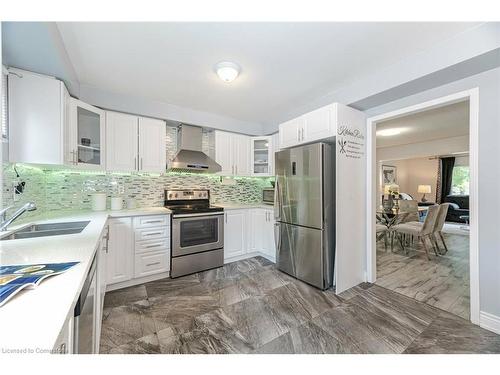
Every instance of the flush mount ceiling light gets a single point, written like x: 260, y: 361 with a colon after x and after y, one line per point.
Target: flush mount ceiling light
x: 227, y: 71
x: 389, y: 132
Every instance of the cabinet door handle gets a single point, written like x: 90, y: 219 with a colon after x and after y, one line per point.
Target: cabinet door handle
x: 236, y: 169
x: 225, y: 217
x: 152, y: 264
x: 135, y: 163
x: 154, y: 245
x: 298, y: 134
x: 302, y: 130
x: 141, y: 164
x: 152, y: 234
x: 153, y: 221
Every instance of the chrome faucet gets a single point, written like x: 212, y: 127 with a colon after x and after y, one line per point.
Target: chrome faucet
x: 30, y: 206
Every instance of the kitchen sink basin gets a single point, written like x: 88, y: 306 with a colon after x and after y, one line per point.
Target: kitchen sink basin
x: 45, y: 230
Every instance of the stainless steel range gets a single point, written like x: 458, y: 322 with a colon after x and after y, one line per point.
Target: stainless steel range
x: 197, y: 232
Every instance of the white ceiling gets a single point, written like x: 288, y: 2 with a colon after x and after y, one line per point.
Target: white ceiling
x: 283, y: 64
x: 444, y: 122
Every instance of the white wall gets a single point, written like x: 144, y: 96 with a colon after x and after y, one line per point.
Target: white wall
x: 413, y: 165
x: 488, y: 84
x: 410, y: 174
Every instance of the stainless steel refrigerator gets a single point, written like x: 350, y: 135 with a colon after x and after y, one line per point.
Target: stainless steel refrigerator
x: 305, y: 213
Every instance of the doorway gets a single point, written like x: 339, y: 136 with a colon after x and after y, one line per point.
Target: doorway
x: 374, y: 174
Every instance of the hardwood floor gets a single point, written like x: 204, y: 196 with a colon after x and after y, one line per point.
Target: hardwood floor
x: 251, y: 307
x: 442, y: 282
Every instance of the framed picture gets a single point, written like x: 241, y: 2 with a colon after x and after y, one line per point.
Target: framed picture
x: 389, y: 174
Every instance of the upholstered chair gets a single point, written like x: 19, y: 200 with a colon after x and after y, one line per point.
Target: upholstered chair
x: 422, y: 232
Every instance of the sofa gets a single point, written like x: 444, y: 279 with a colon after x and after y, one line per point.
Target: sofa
x: 459, y: 207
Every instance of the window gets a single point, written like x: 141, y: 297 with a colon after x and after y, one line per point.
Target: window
x: 460, y: 180
x: 5, y: 108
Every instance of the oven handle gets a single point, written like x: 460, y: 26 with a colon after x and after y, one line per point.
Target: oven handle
x: 199, y: 215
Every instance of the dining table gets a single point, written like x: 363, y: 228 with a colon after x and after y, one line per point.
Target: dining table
x: 392, y: 216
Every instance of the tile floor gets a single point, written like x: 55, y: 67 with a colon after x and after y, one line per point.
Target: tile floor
x: 250, y: 307
x: 442, y: 282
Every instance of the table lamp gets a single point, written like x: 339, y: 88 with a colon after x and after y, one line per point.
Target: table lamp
x: 424, y: 189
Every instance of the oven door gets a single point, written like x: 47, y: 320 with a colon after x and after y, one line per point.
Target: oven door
x: 195, y: 233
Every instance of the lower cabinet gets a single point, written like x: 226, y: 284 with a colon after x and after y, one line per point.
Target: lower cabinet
x: 235, y: 239
x: 120, y: 266
x: 249, y: 231
x: 64, y: 342
x: 102, y: 269
x: 268, y: 243
x: 138, y: 247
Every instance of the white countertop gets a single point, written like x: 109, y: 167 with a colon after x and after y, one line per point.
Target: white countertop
x: 240, y: 206
x: 34, y: 317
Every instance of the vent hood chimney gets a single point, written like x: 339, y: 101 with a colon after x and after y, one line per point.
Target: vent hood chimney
x: 190, y: 157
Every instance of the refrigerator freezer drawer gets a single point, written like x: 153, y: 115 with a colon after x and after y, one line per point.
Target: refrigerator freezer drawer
x: 301, y: 253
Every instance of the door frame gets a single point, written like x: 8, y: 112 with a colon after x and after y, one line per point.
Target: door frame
x: 472, y: 96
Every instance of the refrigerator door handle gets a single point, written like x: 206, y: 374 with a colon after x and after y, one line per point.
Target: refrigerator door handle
x: 277, y: 201
x: 277, y: 238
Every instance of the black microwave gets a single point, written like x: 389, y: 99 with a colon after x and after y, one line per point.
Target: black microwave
x: 268, y: 195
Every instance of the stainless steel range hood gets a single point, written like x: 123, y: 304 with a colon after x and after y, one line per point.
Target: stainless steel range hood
x: 190, y: 157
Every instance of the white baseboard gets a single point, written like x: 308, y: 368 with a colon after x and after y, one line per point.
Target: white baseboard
x: 490, y: 322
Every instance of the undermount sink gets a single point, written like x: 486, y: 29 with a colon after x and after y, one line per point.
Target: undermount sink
x: 45, y: 230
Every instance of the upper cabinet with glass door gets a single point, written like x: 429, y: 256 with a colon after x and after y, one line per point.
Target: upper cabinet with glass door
x: 261, y: 153
x: 86, y: 135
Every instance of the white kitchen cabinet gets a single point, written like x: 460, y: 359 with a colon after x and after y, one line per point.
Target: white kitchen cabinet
x: 102, y: 257
x: 318, y: 125
x: 224, y: 152
x: 135, y: 143
x: 64, y: 342
x: 151, y: 263
x: 290, y: 132
x: 232, y: 152
x: 268, y: 243
x: 121, y: 142
x: 241, y: 152
x: 138, y: 247
x: 152, y: 145
x: 261, y: 232
x: 255, y: 239
x: 261, y: 156
x: 275, y: 144
x: 313, y: 126
x: 152, y: 245
x: 120, y: 257
x: 235, y: 229
x: 86, y: 136
x: 38, y: 114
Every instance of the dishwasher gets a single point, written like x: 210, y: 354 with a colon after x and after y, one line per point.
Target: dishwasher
x: 84, y: 322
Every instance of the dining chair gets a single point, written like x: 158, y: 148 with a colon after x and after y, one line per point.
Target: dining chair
x: 438, y: 229
x: 410, y: 206
x: 381, y: 232
x: 422, y: 232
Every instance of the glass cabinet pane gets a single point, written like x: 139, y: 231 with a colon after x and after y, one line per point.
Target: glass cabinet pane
x: 260, y: 156
x: 89, y: 136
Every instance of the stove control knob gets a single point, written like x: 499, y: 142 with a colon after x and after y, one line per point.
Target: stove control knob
x: 170, y: 195
x: 176, y: 195
x: 200, y: 194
